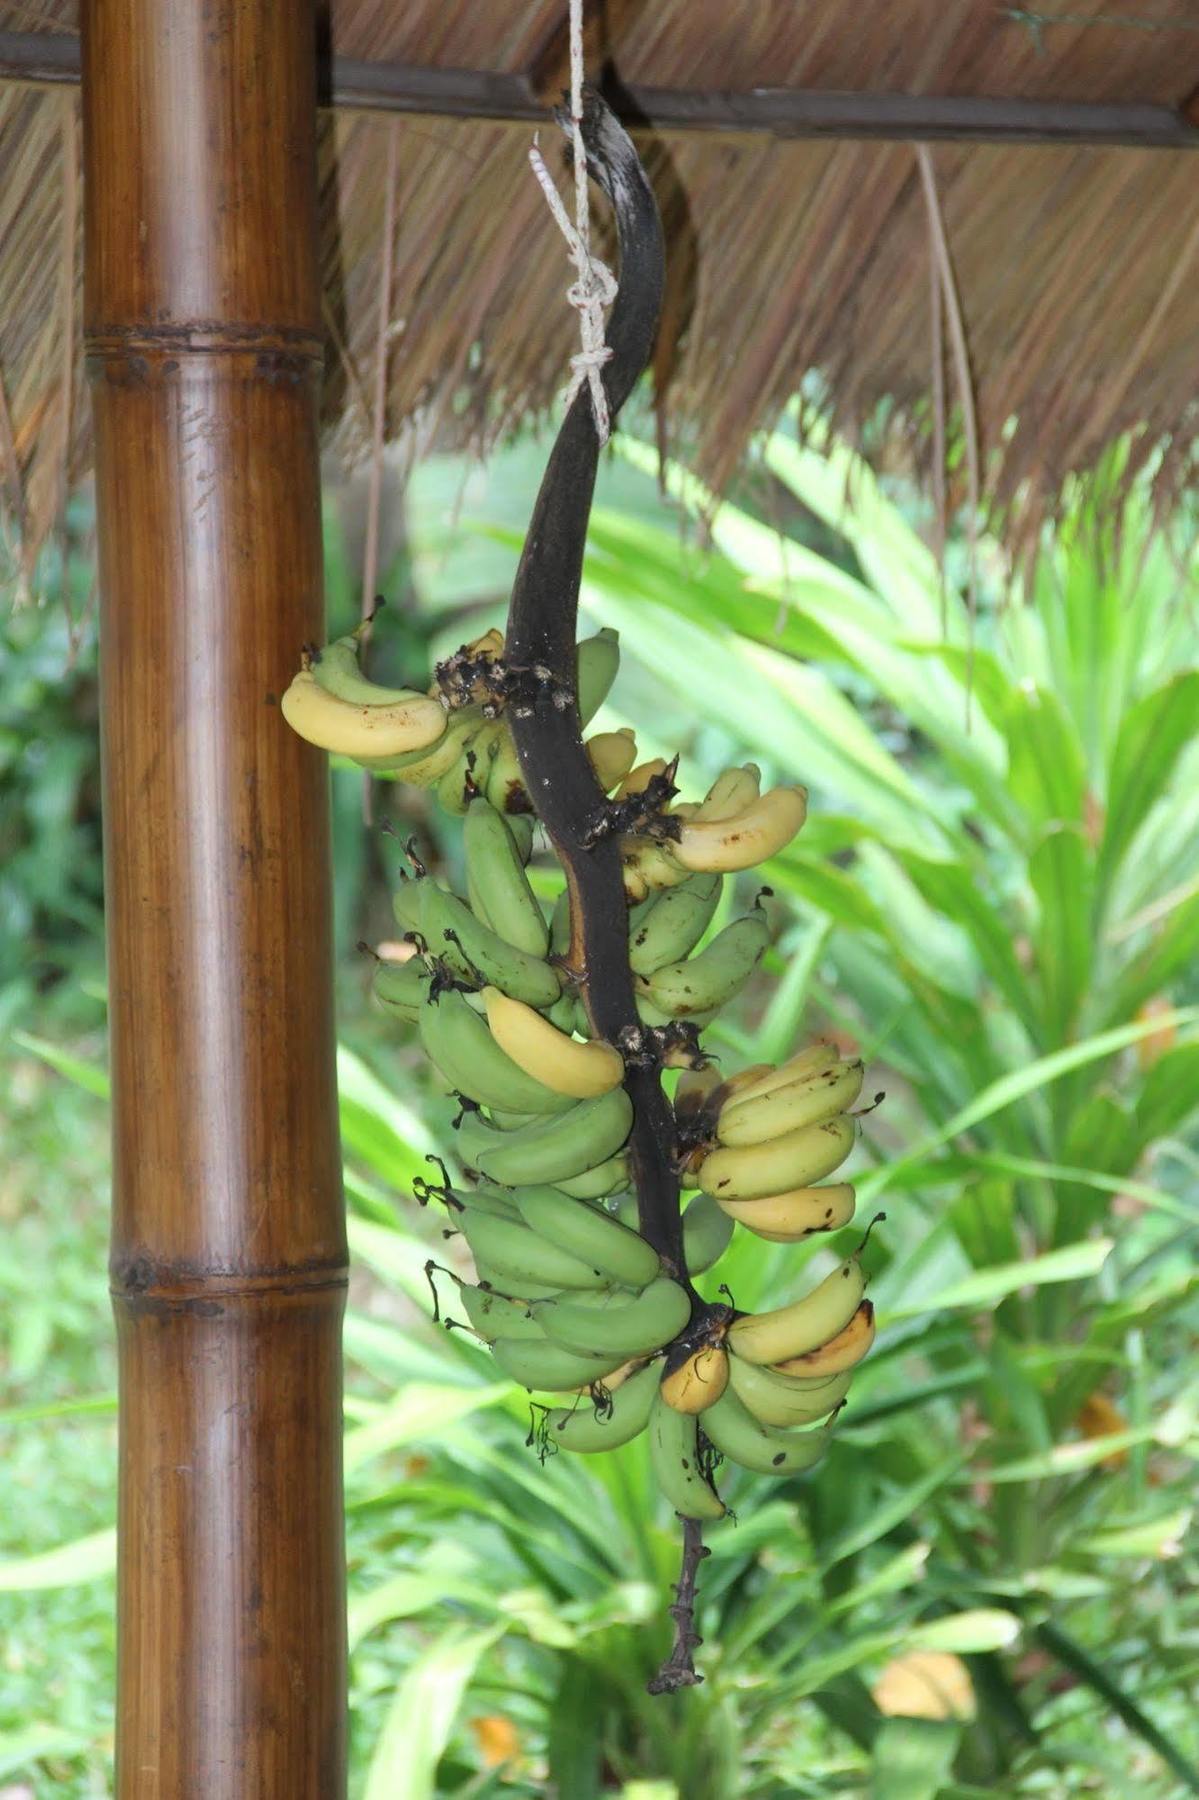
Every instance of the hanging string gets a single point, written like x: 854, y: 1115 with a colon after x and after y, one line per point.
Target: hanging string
x: 595, y: 285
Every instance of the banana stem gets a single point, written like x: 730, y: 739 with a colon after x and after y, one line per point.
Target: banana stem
x: 678, y: 1671
x: 540, y: 654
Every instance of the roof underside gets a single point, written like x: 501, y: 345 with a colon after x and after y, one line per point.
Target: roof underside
x: 1074, y: 266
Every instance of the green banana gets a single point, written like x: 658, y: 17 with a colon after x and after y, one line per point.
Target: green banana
x: 401, y: 988
x: 522, y: 827
x: 597, y: 660
x: 779, y: 1400
x: 457, y: 1040
x: 505, y: 786
x: 453, y: 792
x: 499, y: 891
x: 508, y: 1289
x: 588, y: 1428
x: 407, y: 901
x: 495, y: 1316
x: 668, y: 926
x: 674, y: 1455
x: 553, y: 1150
x: 549, y: 1369
x: 473, y: 950
x: 589, y: 1233
x: 797, y: 1159
x: 706, y: 1234
x: 757, y: 1118
x: 499, y: 1203
x: 596, y: 1184
x: 560, y: 925
x: 615, y: 1319
x: 518, y: 1254
x: 762, y: 1448
x: 719, y: 972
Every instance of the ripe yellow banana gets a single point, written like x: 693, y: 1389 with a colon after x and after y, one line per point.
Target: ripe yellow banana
x: 765, y: 1077
x: 552, y: 1057
x: 761, y: 830
x: 699, y: 1381
x: 788, y: 1218
x: 842, y: 1351
x: 731, y: 792
x: 797, y: 1159
x: 807, y: 1101
x: 612, y: 754
x: 355, y: 730
x: 804, y: 1325
x: 638, y: 779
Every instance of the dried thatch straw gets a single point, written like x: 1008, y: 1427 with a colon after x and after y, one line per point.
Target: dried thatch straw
x: 1075, y: 268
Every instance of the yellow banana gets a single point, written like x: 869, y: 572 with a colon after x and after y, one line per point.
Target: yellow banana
x: 787, y: 1218
x: 804, y: 1325
x: 797, y: 1159
x: 765, y: 1078
x: 552, y: 1057
x: 356, y: 730
x: 731, y: 792
x: 844, y: 1350
x: 751, y: 836
x: 699, y: 1381
x: 612, y: 755
x: 638, y: 779
x: 808, y: 1101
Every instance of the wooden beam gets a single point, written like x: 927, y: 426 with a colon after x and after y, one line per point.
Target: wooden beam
x: 228, y: 1268
x: 774, y: 112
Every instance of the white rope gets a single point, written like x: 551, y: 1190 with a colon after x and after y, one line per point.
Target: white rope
x: 595, y: 285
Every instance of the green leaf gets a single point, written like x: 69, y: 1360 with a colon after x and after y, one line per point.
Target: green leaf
x: 1152, y: 736
x: 1060, y: 871
x: 422, y: 1714
x: 35, y: 1743
x: 912, y: 1758
x: 967, y: 1633
x: 88, y: 1558
x: 1074, y: 1262
x: 887, y: 1515
x: 88, y: 1076
x: 1070, y: 1459
x: 1161, y: 1537
x: 439, y: 1580
x: 1010, y: 1088
x: 1046, y: 772
x: 1067, y: 1651
x: 420, y: 1412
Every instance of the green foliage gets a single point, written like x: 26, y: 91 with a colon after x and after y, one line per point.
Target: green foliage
x: 997, y: 898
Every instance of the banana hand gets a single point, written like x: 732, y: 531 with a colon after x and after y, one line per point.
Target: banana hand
x: 776, y: 1399
x: 710, y: 980
x: 452, y: 933
x: 458, y: 1042
x: 843, y: 1351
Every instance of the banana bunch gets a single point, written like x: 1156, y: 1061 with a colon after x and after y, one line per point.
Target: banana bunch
x: 572, y: 1300
x: 453, y: 738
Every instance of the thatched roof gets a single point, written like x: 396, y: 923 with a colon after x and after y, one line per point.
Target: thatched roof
x: 1075, y: 266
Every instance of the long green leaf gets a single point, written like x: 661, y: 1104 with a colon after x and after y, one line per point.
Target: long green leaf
x: 1035, y: 1075
x: 1074, y: 1262
x: 422, y: 1714
x: 90, y: 1558
x: 1071, y: 1654
x: 1152, y: 736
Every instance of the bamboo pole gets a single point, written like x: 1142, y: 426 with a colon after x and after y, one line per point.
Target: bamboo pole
x: 228, y: 1246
